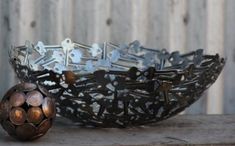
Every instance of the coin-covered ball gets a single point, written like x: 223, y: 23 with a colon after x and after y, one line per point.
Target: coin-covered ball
x: 27, y: 111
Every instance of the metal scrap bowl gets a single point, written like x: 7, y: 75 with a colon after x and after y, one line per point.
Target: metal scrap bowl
x: 27, y: 111
x: 112, y: 85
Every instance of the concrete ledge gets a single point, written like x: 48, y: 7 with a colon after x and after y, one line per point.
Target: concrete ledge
x: 179, y: 130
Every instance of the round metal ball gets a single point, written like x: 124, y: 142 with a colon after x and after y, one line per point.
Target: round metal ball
x: 27, y: 111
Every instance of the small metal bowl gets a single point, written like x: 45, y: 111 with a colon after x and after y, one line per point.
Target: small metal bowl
x: 108, y: 85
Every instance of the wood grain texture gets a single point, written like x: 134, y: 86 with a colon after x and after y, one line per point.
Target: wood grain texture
x: 195, y: 21
x: 215, y: 44
x: 6, y: 32
x: 139, y: 20
x: 158, y: 25
x: 177, y: 25
x: 103, y: 21
x: 182, y: 25
x: 180, y: 130
x: 84, y: 21
x: 229, y: 70
x: 121, y: 16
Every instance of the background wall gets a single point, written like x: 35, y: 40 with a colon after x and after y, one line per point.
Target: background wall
x: 173, y: 24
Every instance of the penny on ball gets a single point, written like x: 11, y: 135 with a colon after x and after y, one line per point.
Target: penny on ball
x: 44, y: 126
x: 17, y: 116
x: 25, y: 131
x: 44, y: 91
x: 35, y: 115
x: 48, y: 107
x: 17, y: 99
x: 9, y: 127
x: 5, y: 108
x: 26, y: 86
x: 34, y: 98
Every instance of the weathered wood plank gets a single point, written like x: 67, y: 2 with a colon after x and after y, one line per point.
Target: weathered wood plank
x: 158, y: 25
x: 215, y: 44
x: 103, y: 21
x: 180, y: 130
x: 195, y: 20
x: 55, y: 20
x: 4, y: 39
x: 26, y: 22
x: 6, y: 33
x: 229, y: 46
x: 84, y: 21
x: 177, y: 26
x: 44, y: 21
x: 121, y: 15
x: 139, y: 20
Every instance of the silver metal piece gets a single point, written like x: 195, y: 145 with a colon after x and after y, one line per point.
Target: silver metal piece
x: 46, y: 56
x: 119, y: 67
x: 84, y: 58
x: 114, y: 56
x: 29, y: 48
x: 95, y: 50
x: 89, y: 67
x: 42, y: 49
x: 67, y: 47
x: 59, y: 68
x: 149, y: 49
x: 75, y: 55
x: 117, y: 55
x: 149, y: 58
x: 104, y: 53
x: 135, y: 46
x: 103, y: 63
x: 82, y: 46
x: 57, y: 56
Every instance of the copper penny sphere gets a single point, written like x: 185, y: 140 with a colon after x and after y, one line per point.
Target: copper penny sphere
x: 27, y: 111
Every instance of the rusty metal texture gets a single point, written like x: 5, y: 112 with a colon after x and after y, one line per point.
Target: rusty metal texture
x: 21, y: 112
x: 112, y: 85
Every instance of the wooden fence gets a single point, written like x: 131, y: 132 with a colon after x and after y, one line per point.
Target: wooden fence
x: 173, y: 24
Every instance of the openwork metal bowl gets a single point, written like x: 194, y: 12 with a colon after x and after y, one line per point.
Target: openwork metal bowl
x: 108, y: 85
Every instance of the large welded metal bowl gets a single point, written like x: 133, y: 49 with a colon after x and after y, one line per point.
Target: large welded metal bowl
x: 108, y: 85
